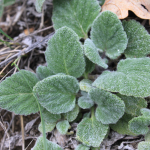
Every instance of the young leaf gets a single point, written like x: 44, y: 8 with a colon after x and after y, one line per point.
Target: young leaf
x: 144, y: 146
x: 91, y: 132
x: 110, y: 107
x: 72, y: 115
x: 48, y: 127
x: 50, y: 145
x: 138, y: 39
x: 82, y: 147
x: 70, y: 13
x: 132, y: 78
x: 85, y: 85
x: 90, y: 66
x: 85, y: 102
x: 108, y: 34
x: 63, y: 126
x: 39, y: 4
x: 43, y: 72
x: 57, y: 93
x: 64, y: 53
x: 145, y: 112
x: 91, y: 52
x: 121, y: 126
x: 16, y: 93
x: 139, y: 125
x: 133, y: 105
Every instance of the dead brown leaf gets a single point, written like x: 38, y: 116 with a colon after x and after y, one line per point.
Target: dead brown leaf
x: 141, y: 8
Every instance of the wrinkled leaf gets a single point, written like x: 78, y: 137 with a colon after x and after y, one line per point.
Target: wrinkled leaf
x: 64, y: 53
x: 72, y: 115
x: 91, y: 52
x: 110, y: 107
x: 138, y: 40
x: 57, y: 93
x: 145, y: 112
x: 133, y: 105
x: 63, y: 126
x: 43, y: 72
x: 50, y: 145
x: 91, y: 132
x: 16, y: 93
x: 82, y: 147
x: 75, y: 14
x: 144, y: 146
x: 39, y: 4
x: 108, y: 34
x: 90, y: 66
x: 132, y: 78
x: 85, y: 85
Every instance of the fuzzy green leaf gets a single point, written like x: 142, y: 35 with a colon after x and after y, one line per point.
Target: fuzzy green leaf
x: 64, y: 53
x: 39, y: 4
x: 16, y: 93
x: 48, y: 127
x: 85, y: 102
x: 132, y: 78
x: 144, y: 146
x: 121, y: 126
x: 145, y: 112
x: 133, y: 105
x: 90, y: 66
x: 91, y: 132
x: 85, y: 85
x: 50, y: 145
x: 82, y: 147
x: 57, y: 93
x: 91, y: 52
x: 63, y: 126
x: 138, y: 39
x: 75, y: 14
x: 147, y: 136
x: 72, y: 115
x: 43, y: 72
x: 139, y: 125
x: 108, y: 34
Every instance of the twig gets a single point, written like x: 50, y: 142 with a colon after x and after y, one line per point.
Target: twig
x: 22, y: 131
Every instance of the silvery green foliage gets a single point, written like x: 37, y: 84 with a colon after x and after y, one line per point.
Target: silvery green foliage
x: 145, y: 112
x: 91, y: 132
x: 121, y: 126
x: 90, y: 66
x: 139, y: 125
x: 110, y: 107
x: 72, y: 115
x: 63, y: 126
x: 64, y: 53
x: 57, y: 93
x: 132, y: 78
x: 85, y: 102
x: 108, y: 34
x: 138, y: 39
x: 75, y: 14
x: 39, y: 4
x: 91, y: 52
x: 133, y: 105
x: 147, y: 136
x: 16, y: 93
x: 85, y: 85
x: 82, y: 147
x: 144, y: 146
x: 48, y: 127
x: 50, y: 145
x: 43, y: 72
x: 49, y: 117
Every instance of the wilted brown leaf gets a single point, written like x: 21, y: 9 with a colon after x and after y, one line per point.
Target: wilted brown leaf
x: 121, y: 7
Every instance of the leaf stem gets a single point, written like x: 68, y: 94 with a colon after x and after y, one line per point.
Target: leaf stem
x: 85, y: 75
x: 92, y: 112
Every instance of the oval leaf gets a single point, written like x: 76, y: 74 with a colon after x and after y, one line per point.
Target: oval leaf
x: 108, y: 34
x: 16, y: 93
x: 64, y: 53
x: 144, y: 146
x: 110, y: 107
x: 57, y: 93
x: 82, y: 147
x: 85, y: 85
x: 39, y: 4
x: 91, y: 132
x: 70, y: 13
x: 145, y: 112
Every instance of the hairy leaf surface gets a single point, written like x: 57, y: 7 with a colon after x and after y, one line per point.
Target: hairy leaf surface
x: 75, y: 14
x: 138, y: 40
x: 144, y: 146
x: 82, y: 147
x: 85, y: 85
x: 108, y: 34
x: 63, y: 126
x: 64, y: 53
x: 16, y: 93
x: 145, y: 112
x: 91, y: 132
x: 57, y: 93
x: 132, y: 78
x: 91, y: 52
x: 110, y: 107
x: 39, y: 4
